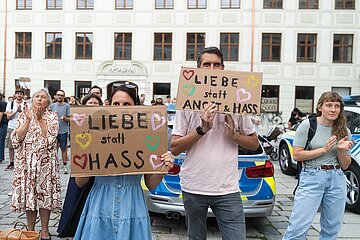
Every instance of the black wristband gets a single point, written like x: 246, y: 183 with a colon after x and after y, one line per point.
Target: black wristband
x: 200, y: 131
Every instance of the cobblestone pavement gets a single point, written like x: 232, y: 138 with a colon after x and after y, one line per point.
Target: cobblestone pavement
x: 270, y: 228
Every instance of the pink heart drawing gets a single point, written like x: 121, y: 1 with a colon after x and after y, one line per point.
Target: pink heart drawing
x: 158, y: 118
x: 188, y: 74
x: 79, y: 119
x: 240, y: 94
x: 155, y: 161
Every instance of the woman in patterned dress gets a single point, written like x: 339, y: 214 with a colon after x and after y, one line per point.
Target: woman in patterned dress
x: 36, y: 185
x: 115, y: 207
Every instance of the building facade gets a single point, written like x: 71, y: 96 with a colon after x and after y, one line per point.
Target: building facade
x: 303, y: 47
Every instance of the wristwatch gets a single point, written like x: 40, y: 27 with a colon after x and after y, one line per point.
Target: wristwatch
x: 200, y: 131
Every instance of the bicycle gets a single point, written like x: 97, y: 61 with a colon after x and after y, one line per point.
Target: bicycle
x: 273, y: 118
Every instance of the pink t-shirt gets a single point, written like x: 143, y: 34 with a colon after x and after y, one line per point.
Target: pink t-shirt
x: 211, y: 164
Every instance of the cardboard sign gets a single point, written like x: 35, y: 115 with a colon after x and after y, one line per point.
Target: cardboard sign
x: 232, y: 91
x: 117, y: 140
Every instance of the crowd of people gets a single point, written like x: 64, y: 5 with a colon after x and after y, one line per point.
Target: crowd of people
x: 115, y: 207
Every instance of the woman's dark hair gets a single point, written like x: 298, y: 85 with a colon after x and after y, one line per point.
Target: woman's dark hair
x: 130, y: 88
x: 89, y: 96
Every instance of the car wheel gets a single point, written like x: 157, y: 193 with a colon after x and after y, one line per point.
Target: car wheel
x: 285, y: 160
x: 352, y: 184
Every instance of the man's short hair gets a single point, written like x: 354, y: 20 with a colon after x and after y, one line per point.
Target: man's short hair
x: 95, y: 86
x: 61, y: 91
x: 19, y: 91
x: 210, y: 50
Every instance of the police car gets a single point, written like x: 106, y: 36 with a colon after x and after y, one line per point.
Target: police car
x: 352, y: 113
x: 256, y: 181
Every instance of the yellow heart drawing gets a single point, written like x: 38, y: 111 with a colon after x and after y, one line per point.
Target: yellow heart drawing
x: 252, y: 81
x: 80, y: 137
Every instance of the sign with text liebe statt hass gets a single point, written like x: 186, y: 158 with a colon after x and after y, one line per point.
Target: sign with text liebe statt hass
x: 233, y: 92
x: 117, y: 140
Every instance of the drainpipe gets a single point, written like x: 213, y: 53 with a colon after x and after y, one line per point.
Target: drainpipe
x: 252, y: 34
x: 5, y: 31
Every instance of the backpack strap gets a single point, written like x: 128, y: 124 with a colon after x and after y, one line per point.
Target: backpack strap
x: 311, y: 132
x: 310, y: 136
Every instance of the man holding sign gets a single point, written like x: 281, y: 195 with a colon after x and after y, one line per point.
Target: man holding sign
x: 209, y: 175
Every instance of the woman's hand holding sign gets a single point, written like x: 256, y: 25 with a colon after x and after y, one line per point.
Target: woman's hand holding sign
x: 168, y: 160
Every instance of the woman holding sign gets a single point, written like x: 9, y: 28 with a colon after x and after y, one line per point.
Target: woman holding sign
x: 36, y: 185
x: 116, y: 208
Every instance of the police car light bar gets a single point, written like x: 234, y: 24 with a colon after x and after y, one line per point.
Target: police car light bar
x: 351, y: 100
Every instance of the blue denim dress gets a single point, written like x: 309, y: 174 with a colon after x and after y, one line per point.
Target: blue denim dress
x: 115, y: 209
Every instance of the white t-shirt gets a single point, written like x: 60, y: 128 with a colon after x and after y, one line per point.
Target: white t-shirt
x: 12, y: 122
x: 211, y: 164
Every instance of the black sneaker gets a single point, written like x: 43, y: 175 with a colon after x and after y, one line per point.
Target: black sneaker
x: 9, y: 167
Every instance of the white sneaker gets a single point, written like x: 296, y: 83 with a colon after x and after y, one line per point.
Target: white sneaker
x: 65, y: 169
x: 10, y: 194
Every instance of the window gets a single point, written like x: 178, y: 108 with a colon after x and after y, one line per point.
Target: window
x: 23, y: 4
x: 82, y: 88
x: 195, y: 42
x: 198, y: 4
x: 343, y: 47
x: 52, y: 86
x: 271, y: 47
x: 229, y: 45
x: 122, y: 48
x: 54, y: 4
x: 308, y: 4
x: 24, y: 84
x: 275, y: 4
x: 344, y: 4
x: 342, y: 91
x: 162, y: 46
x: 23, y: 45
x: 53, y: 45
x: 304, y: 99
x: 269, y: 99
x: 230, y: 3
x: 161, y: 90
x: 164, y: 4
x: 84, y: 45
x: 85, y: 4
x: 353, y: 121
x: 306, y: 47
x: 123, y: 4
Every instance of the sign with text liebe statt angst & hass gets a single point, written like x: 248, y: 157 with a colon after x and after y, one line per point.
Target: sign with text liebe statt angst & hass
x: 233, y: 92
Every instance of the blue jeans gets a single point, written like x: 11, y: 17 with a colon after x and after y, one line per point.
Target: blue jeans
x: 228, y: 210
x: 318, y: 189
x: 3, y: 130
